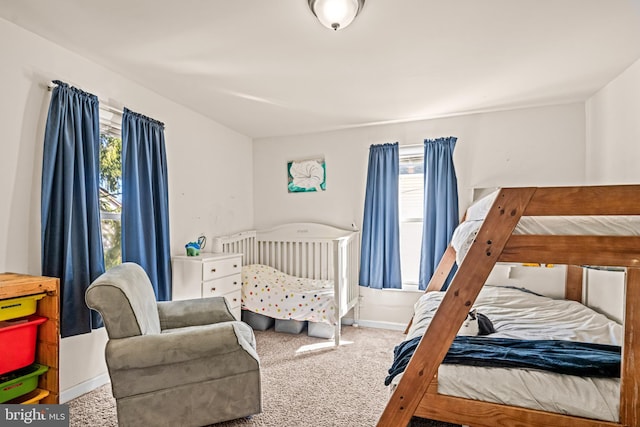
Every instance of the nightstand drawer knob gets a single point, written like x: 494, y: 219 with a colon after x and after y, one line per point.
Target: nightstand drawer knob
x: 213, y: 270
x: 213, y: 289
x: 235, y: 283
x: 235, y: 265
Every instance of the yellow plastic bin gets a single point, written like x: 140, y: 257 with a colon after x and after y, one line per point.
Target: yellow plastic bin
x: 19, y: 307
x: 32, y: 398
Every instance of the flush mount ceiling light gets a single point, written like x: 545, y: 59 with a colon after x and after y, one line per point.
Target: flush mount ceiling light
x: 336, y: 14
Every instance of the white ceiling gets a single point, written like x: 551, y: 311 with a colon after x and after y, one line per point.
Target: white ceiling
x: 268, y: 68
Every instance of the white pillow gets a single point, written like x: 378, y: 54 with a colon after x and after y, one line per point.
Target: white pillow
x: 479, y: 209
x: 463, y: 237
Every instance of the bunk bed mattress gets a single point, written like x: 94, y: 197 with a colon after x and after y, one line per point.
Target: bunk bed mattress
x: 465, y: 234
x: 519, y: 314
x: 270, y: 292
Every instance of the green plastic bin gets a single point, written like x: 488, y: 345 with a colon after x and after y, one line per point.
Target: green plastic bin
x: 21, y: 381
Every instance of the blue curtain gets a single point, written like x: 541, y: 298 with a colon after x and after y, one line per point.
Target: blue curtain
x: 380, y: 254
x: 145, y: 200
x: 70, y: 212
x: 440, y: 205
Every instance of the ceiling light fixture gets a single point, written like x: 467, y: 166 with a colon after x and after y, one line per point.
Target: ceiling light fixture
x: 336, y: 14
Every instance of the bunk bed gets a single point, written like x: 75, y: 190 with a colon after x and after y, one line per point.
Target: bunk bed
x: 502, y: 236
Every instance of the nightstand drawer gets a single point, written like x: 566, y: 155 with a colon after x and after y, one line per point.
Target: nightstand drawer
x: 233, y: 300
x: 214, y: 269
x: 222, y: 286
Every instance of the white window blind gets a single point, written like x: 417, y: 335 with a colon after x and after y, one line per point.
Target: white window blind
x: 411, y: 204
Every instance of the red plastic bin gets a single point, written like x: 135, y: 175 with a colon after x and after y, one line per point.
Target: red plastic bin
x: 18, y: 342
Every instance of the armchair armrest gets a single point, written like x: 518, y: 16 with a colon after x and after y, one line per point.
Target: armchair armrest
x: 193, y: 312
x: 175, y: 347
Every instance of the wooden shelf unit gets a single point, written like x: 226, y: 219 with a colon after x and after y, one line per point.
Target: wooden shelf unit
x: 13, y: 285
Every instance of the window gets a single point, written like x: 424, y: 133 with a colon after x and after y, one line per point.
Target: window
x: 110, y: 189
x: 411, y: 204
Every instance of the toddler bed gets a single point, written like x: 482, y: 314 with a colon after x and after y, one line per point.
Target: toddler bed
x: 299, y: 271
x: 599, y: 226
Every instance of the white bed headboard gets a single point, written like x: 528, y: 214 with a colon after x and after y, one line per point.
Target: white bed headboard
x: 478, y: 193
x: 300, y: 249
x: 304, y: 230
x: 243, y: 243
x: 307, y: 249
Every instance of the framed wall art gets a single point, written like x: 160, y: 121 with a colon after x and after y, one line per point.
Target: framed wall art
x: 306, y: 175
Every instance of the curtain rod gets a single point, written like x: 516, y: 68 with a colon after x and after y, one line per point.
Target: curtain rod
x: 103, y: 104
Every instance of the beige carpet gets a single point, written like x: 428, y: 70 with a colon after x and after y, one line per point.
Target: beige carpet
x: 302, y: 386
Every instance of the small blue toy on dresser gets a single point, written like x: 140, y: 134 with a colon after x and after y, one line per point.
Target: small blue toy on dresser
x: 193, y: 248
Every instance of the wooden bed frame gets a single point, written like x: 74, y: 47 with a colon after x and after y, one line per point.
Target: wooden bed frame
x: 308, y: 250
x: 416, y: 393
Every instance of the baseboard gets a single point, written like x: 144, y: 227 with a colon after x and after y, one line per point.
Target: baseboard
x: 83, y: 387
x: 377, y: 324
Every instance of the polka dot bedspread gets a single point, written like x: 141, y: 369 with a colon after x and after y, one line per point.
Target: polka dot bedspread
x: 270, y: 292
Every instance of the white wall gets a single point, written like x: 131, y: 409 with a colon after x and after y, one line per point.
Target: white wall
x: 535, y: 146
x: 613, y: 152
x: 613, y: 131
x: 210, y: 185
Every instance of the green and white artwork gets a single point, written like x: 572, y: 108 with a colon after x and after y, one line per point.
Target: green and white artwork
x: 306, y: 175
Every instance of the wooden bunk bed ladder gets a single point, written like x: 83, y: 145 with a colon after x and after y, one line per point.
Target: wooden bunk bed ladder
x: 460, y: 296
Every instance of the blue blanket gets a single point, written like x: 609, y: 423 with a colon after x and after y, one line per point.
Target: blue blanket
x: 563, y: 357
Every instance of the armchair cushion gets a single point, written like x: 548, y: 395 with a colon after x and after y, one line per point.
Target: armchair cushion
x: 201, y: 311
x: 149, y: 363
x: 177, y: 346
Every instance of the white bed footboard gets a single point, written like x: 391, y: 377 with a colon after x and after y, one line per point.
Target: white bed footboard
x: 308, y: 250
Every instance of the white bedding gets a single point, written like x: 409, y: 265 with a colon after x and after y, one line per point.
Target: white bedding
x: 271, y: 292
x: 522, y: 315
x: 616, y: 225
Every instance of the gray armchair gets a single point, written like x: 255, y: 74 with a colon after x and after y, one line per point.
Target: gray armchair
x: 186, y: 363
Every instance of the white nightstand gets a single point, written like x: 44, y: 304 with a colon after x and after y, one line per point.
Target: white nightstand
x: 207, y: 275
